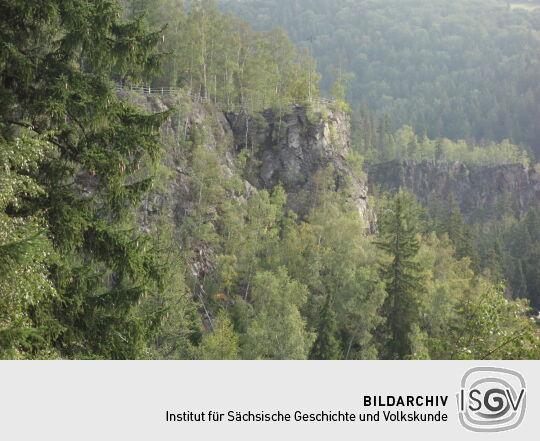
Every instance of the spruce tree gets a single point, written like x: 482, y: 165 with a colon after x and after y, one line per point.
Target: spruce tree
x: 326, y: 346
x: 57, y: 60
x: 402, y: 274
x: 459, y: 232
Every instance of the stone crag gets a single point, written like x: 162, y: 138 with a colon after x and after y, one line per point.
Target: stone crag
x: 480, y: 191
x: 289, y: 151
x: 293, y: 148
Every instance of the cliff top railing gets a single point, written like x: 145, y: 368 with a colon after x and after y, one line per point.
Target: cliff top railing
x: 171, y: 90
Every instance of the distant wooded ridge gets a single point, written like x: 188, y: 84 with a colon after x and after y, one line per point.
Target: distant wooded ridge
x: 465, y: 69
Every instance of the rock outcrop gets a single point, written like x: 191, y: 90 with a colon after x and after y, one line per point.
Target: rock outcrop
x: 290, y: 150
x: 293, y: 148
x: 480, y: 191
x: 189, y: 120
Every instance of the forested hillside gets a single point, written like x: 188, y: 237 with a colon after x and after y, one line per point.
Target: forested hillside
x: 491, y: 211
x: 463, y: 69
x: 218, y: 57
x: 171, y: 187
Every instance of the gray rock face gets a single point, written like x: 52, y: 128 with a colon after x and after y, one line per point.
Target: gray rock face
x: 479, y: 190
x: 291, y: 149
x: 172, y: 197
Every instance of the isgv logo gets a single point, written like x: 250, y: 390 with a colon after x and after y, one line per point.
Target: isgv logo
x: 491, y: 399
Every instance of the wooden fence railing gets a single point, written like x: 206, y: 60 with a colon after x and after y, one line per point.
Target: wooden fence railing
x: 170, y: 90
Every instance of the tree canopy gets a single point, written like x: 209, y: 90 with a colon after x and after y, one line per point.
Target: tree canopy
x: 466, y: 69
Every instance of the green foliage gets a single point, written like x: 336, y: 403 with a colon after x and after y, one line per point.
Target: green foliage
x: 180, y: 329
x: 453, y: 314
x: 448, y: 280
x: 218, y: 57
x: 517, y: 254
x: 338, y: 91
x: 25, y: 249
x: 277, y: 331
x: 402, y: 273
x: 56, y: 58
x: 448, y: 220
x: 326, y: 346
x: 466, y: 69
x: 222, y: 342
x: 489, y: 326
x: 329, y: 254
x: 226, y: 270
x: 404, y: 144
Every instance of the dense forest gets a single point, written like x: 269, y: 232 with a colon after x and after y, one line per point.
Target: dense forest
x: 218, y: 57
x: 432, y: 81
x: 466, y: 69
x: 242, y: 266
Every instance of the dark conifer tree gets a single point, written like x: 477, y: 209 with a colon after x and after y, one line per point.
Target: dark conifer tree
x: 57, y: 59
x: 458, y: 232
x: 327, y: 345
x: 404, y: 283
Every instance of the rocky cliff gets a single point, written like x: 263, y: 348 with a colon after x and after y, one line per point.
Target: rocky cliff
x: 289, y: 149
x: 479, y: 190
x: 292, y: 148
